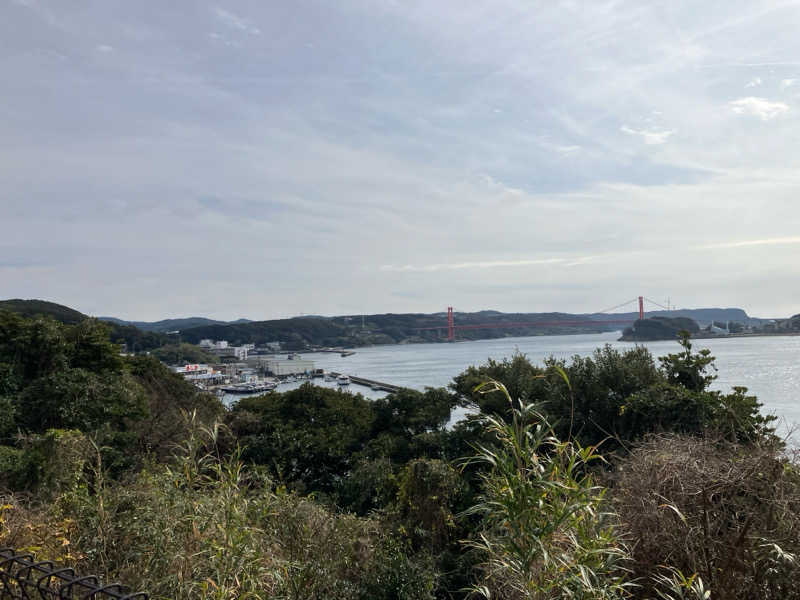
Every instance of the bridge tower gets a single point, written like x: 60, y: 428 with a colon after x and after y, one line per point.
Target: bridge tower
x: 451, y: 328
x: 641, y: 307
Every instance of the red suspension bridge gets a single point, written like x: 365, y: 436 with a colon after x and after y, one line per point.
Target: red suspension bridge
x: 452, y: 327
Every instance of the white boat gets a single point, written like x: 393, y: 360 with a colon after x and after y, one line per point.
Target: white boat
x: 343, y: 380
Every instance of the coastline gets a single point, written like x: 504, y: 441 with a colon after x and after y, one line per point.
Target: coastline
x: 715, y: 336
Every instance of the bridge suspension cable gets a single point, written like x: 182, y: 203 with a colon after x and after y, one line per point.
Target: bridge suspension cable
x: 608, y: 310
x: 656, y: 303
x: 451, y: 327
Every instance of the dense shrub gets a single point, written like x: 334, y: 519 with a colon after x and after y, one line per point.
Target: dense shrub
x: 210, y: 528
x: 72, y: 377
x: 616, y: 397
x: 703, y: 505
x: 315, y: 439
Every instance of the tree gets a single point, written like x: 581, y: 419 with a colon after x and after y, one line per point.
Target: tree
x: 58, y: 376
x: 414, y: 412
x: 616, y: 396
x: 427, y: 491
x: 589, y: 407
x: 182, y: 354
x: 308, y: 436
x: 689, y: 369
x: 522, y: 379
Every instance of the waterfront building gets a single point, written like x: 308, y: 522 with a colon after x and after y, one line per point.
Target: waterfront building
x: 197, y: 372
x: 222, y: 349
x: 237, y: 352
x: 282, y: 366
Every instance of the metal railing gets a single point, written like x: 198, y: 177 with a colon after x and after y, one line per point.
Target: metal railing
x: 22, y: 576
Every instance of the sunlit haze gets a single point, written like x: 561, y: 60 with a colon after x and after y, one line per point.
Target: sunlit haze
x: 264, y: 159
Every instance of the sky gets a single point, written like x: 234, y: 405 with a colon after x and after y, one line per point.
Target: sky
x: 265, y: 158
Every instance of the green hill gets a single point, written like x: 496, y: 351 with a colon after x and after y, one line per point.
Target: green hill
x: 360, y: 330
x: 658, y: 328
x: 34, y: 308
x: 134, y: 338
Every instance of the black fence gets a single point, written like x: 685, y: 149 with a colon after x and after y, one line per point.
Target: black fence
x: 21, y: 576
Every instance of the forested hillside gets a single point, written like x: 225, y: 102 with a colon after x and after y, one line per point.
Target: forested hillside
x: 32, y: 308
x: 659, y: 328
x: 609, y: 476
x: 300, y: 333
x: 358, y: 330
x: 56, y: 378
x: 168, y: 325
x: 134, y: 339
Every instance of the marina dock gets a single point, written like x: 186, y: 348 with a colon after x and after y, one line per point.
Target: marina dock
x: 370, y: 383
x: 341, y: 351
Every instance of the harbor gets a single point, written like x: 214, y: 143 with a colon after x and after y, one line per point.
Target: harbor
x: 251, y: 371
x: 369, y: 388
x: 372, y: 384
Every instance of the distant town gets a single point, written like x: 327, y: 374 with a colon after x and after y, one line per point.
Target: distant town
x: 245, y: 369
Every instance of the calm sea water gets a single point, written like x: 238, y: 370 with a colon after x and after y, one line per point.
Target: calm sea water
x: 768, y: 366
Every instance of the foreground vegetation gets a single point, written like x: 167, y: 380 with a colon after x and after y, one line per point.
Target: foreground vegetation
x: 609, y: 476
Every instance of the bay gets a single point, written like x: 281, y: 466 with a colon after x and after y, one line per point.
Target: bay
x: 767, y: 366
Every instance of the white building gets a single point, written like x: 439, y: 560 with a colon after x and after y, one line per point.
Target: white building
x: 221, y: 348
x: 294, y: 366
x: 212, y: 344
x: 720, y: 330
x: 239, y: 352
x: 196, y: 372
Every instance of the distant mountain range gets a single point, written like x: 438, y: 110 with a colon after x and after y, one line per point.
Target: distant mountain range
x: 167, y: 325
x: 360, y: 330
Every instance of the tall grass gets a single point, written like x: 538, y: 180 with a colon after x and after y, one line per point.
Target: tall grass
x: 207, y: 527
x: 545, y: 531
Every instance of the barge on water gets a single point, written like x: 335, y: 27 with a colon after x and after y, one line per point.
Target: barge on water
x: 250, y: 388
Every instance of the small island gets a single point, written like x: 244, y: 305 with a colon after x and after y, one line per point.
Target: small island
x: 658, y: 328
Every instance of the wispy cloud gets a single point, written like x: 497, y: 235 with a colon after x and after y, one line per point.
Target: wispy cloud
x: 651, y: 137
x: 778, y: 241
x: 483, y: 264
x: 758, y: 107
x: 755, y: 82
x: 566, y: 150
x: 483, y: 138
x: 235, y: 21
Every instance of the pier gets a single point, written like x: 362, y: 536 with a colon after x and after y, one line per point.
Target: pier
x: 370, y: 383
x: 341, y: 351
